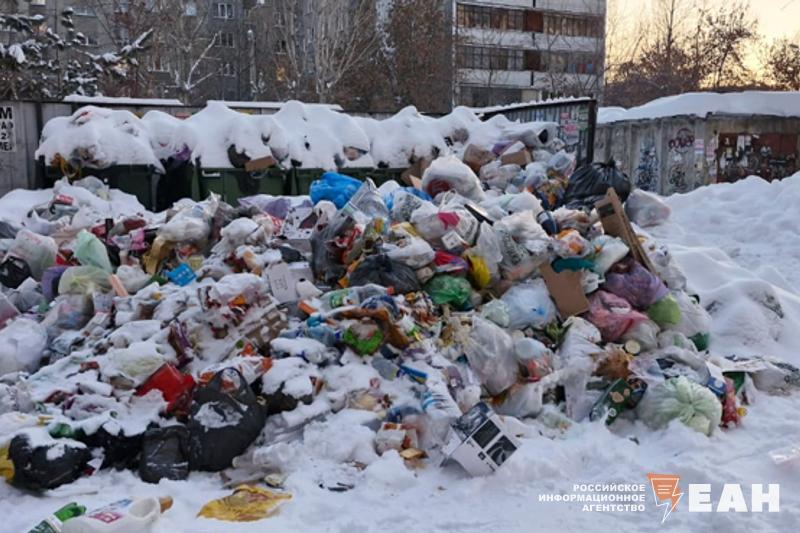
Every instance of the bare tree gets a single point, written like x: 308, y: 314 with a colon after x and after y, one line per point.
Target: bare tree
x: 782, y: 65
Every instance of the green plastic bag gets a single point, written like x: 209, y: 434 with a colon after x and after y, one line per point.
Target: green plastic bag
x: 449, y: 290
x: 83, y: 280
x: 365, y: 339
x: 691, y: 403
x: 665, y: 312
x: 91, y: 252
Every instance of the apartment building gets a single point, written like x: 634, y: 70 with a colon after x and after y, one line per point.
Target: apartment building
x: 519, y: 50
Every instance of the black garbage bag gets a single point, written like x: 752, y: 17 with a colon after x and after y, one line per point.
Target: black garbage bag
x: 13, y: 271
x: 37, y: 468
x: 589, y: 183
x: 119, y: 451
x: 384, y: 271
x: 226, y: 417
x: 165, y: 454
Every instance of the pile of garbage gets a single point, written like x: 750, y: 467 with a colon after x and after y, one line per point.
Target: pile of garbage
x: 427, y: 318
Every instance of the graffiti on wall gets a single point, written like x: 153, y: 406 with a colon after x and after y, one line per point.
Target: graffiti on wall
x: 769, y: 155
x: 646, y: 173
x: 679, y: 158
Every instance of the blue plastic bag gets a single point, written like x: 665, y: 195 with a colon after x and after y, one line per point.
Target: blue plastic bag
x: 335, y: 187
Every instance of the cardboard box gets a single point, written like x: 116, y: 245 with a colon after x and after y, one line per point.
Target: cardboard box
x: 262, y: 163
x: 615, y: 223
x: 475, y: 157
x: 283, y: 279
x: 479, y: 441
x: 521, y: 157
x: 565, y: 290
x: 417, y: 170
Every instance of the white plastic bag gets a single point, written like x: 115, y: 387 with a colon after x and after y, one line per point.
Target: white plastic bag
x: 38, y: 251
x: 529, y: 304
x: 609, y: 251
x: 490, y: 352
x: 694, y: 318
x: 22, y: 343
x: 646, y: 209
x: 691, y: 403
x: 525, y: 230
x: 446, y: 173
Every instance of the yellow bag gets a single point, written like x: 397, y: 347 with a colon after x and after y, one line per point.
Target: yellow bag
x: 246, y: 504
x: 6, y: 466
x: 479, y: 272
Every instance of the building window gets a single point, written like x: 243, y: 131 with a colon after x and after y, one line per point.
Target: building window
x: 228, y: 71
x: 499, y: 18
x: 224, y: 10
x: 159, y: 64
x: 487, y: 58
x: 225, y: 39
x: 573, y: 26
x: 191, y: 9
x: 83, y: 9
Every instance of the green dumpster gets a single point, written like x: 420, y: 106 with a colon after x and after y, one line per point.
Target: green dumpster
x: 234, y: 183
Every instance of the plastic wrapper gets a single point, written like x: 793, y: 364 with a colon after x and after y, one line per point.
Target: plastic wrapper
x: 246, y: 504
x: 529, y: 305
x: 612, y: 315
x: 450, y: 173
x: 506, y: 204
x: 570, y: 243
x: 433, y: 224
x: 645, y: 333
x: 561, y: 163
x: 608, y: 250
x: 83, y: 280
x: 479, y: 272
x: 521, y: 400
x: 636, y: 284
x: 404, y: 201
x: 451, y: 290
x: 525, y: 230
x: 580, y: 341
x: 488, y: 247
x: 37, y: 251
x: 665, y: 312
x: 694, y: 319
x: 91, y: 252
x: 192, y: 222
x: 646, y: 209
x: 679, y: 398
x: 369, y: 201
x: 334, y: 187
x: 411, y: 251
x: 490, y: 352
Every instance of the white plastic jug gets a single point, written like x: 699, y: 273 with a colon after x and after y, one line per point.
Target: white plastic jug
x: 124, y: 516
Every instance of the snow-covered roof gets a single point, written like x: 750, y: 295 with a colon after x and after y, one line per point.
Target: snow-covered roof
x: 268, y: 105
x: 521, y: 105
x: 120, y: 100
x: 772, y: 103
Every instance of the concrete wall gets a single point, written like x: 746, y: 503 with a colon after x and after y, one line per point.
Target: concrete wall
x: 678, y: 154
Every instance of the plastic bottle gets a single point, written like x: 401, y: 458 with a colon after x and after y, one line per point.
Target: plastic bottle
x: 352, y: 296
x: 54, y: 523
x: 124, y: 516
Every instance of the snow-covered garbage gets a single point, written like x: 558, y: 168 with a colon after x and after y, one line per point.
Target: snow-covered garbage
x: 412, y: 325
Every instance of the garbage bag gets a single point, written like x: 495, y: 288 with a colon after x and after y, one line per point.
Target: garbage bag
x: 328, y: 246
x: 682, y: 399
x: 38, y: 252
x: 646, y: 209
x: 452, y: 290
x: 497, y: 312
x: 525, y: 230
x: 83, y: 280
x: 226, y: 417
x: 645, y: 333
x: 192, y: 222
x: 369, y: 201
x: 490, y: 352
x: 665, y: 312
x: 165, y: 454
x: 334, y: 187
x: 22, y: 343
x: 589, y: 183
x: 608, y: 250
x: 450, y: 173
x: 529, y: 304
x: 570, y: 243
x: 402, y: 203
x: 381, y: 270
x: 40, y: 467
x: 411, y: 251
x: 640, y: 287
x: 612, y: 315
x: 695, y: 322
x: 91, y: 252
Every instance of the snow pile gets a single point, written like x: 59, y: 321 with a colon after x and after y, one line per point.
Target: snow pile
x: 700, y: 104
x: 97, y: 137
x: 298, y: 135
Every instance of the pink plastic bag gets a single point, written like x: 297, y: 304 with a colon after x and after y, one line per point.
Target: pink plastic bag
x: 636, y: 284
x: 612, y: 315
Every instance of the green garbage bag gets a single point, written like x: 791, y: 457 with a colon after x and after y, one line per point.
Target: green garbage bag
x: 691, y: 403
x: 665, y: 312
x: 449, y: 290
x: 91, y: 252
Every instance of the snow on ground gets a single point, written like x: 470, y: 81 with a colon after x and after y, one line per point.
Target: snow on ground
x: 752, y: 222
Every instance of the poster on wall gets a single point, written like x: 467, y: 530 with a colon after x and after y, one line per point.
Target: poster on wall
x: 7, y: 137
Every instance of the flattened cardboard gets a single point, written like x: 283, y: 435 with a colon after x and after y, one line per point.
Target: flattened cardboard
x: 417, y: 169
x: 262, y: 163
x: 475, y: 157
x: 615, y: 223
x: 521, y: 158
x: 565, y: 290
